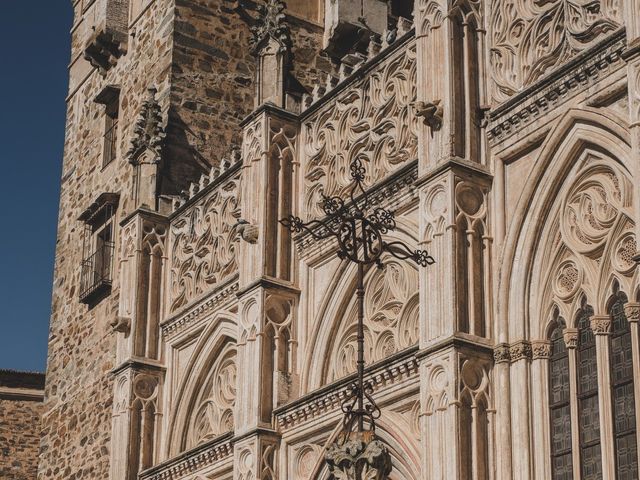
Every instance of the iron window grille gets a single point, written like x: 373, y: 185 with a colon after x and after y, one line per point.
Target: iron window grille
x: 98, y: 249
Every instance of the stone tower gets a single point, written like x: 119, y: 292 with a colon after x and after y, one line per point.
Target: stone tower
x: 192, y: 337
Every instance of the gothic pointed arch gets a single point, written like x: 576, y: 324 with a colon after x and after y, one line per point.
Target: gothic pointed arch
x: 391, y: 316
x: 204, y: 404
x: 584, y: 146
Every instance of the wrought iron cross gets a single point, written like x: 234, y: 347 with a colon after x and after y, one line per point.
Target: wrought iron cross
x: 358, y: 228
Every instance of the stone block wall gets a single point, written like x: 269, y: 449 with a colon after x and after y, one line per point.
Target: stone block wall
x: 21, y: 408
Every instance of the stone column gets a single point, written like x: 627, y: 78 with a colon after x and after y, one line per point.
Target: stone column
x: 267, y: 373
x: 571, y: 341
x: 521, y: 354
x: 501, y: 369
x: 632, y: 312
x: 540, y: 411
x: 601, y: 327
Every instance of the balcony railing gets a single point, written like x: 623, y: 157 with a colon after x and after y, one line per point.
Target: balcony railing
x: 96, y: 273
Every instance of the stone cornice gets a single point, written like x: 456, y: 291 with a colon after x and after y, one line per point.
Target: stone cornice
x: 566, y: 82
x: 200, y: 307
x: 329, y: 398
x: 192, y: 461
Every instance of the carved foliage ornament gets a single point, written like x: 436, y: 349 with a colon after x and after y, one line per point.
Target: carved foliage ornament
x: 374, y: 122
x: 204, y: 242
x: 271, y: 23
x: 362, y: 457
x: 531, y: 37
x: 148, y: 131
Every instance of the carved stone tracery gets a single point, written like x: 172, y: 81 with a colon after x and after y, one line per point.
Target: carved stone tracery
x: 204, y: 241
x: 373, y: 121
x: 214, y: 409
x: 531, y: 38
x: 391, y: 318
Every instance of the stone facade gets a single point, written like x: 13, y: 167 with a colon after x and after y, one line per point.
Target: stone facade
x: 21, y: 408
x: 193, y: 337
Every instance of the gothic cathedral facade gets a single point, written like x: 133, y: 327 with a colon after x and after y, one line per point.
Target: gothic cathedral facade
x: 194, y: 338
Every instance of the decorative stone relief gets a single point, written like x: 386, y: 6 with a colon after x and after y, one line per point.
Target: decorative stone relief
x: 541, y: 349
x: 362, y: 457
x: 520, y: 351
x: 271, y: 23
x: 530, y: 38
x: 601, y: 324
x: 214, y: 409
x: 148, y: 131
x: 373, y: 121
x: 590, y: 238
x: 204, y: 241
x: 391, y: 318
x: 570, y: 337
x: 632, y: 312
x: 306, y: 458
x: 502, y: 353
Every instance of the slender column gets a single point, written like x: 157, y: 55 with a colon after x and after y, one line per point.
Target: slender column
x: 632, y: 312
x: 571, y: 341
x: 520, y: 353
x: 601, y: 327
x: 540, y: 411
x: 501, y: 357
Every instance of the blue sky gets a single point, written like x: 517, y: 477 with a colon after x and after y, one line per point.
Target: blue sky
x: 34, y: 53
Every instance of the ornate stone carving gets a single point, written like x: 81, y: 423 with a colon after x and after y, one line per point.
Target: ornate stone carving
x: 502, y: 353
x: 268, y: 463
x: 568, y: 280
x: 570, y: 337
x: 271, y: 23
x: 632, y: 312
x: 391, y: 318
x: 530, y: 38
x: 361, y: 457
x: 148, y: 131
x: 121, y: 324
x: 431, y: 113
x: 204, y: 241
x: 372, y: 120
x: 601, y: 324
x: 214, y: 409
x: 520, y: 351
x: 541, y: 350
x: 305, y: 460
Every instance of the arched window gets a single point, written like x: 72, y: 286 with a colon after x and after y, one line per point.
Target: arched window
x: 560, y: 410
x: 588, y: 409
x: 623, y: 401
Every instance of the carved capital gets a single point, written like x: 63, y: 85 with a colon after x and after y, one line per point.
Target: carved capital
x: 632, y: 312
x: 601, y: 324
x: 362, y: 456
x: 541, y: 349
x: 501, y: 353
x: 520, y: 350
x: 570, y: 337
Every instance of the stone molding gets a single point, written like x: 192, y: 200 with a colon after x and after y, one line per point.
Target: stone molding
x: 193, y: 460
x: 329, y: 399
x: 551, y: 92
x: 201, y: 308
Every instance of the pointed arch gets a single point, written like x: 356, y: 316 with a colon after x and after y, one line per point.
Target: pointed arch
x: 216, y: 342
x: 337, y: 308
x: 577, y: 139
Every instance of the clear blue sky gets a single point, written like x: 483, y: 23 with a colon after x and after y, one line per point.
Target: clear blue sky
x: 34, y: 53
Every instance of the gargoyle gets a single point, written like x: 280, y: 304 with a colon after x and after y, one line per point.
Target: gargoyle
x: 247, y: 231
x: 121, y: 324
x: 431, y: 112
